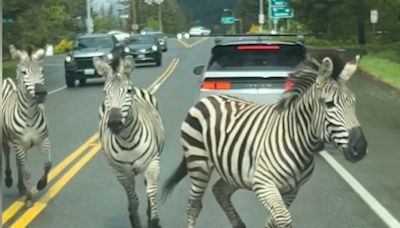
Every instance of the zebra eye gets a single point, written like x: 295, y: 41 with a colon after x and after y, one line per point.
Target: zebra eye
x: 24, y: 72
x: 129, y: 90
x: 330, y: 104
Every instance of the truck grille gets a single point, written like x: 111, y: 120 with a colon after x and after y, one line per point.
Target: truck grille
x: 84, y: 63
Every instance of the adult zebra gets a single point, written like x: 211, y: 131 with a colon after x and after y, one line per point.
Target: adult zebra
x: 269, y: 149
x: 24, y: 119
x: 132, y: 136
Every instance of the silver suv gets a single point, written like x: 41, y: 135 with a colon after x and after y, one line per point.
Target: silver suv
x: 252, y: 68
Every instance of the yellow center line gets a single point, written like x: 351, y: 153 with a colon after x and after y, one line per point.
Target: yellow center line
x: 154, y: 87
x: 19, y: 203
x: 197, y: 42
x: 183, y: 43
x: 41, y: 204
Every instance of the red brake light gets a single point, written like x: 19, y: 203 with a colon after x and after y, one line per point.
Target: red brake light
x: 288, y: 85
x: 215, y: 85
x: 258, y: 47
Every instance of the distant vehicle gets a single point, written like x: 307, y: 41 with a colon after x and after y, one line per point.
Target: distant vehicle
x: 199, y: 31
x: 120, y: 36
x: 146, y: 30
x: 162, y: 39
x: 79, y: 61
x: 144, y: 49
x: 250, y: 68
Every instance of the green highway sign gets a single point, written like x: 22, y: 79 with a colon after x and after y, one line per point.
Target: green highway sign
x: 279, y: 9
x: 227, y: 20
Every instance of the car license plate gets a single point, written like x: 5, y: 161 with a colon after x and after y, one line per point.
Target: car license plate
x: 140, y: 56
x: 89, y: 72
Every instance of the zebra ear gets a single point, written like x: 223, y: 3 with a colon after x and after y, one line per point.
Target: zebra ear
x: 17, y: 54
x: 325, y: 71
x: 101, y: 67
x: 38, y: 54
x: 349, y: 69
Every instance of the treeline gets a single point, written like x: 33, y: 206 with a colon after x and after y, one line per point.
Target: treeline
x: 41, y: 22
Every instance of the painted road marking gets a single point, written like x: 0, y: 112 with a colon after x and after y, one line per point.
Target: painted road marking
x: 374, y: 204
x: 192, y: 45
x: 57, y: 90
x: 41, y: 204
x: 20, y: 203
x: 160, y: 80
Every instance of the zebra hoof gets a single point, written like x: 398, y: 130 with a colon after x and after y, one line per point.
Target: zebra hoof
x: 41, y: 184
x: 28, y: 203
x: 8, y: 182
x: 154, y: 223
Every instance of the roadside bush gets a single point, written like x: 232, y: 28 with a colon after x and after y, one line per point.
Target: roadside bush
x: 63, y: 45
x: 9, y: 69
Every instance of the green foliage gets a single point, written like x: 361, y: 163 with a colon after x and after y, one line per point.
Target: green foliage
x: 9, y: 69
x: 382, y: 68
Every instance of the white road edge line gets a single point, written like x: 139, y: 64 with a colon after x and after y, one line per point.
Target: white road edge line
x: 57, y: 90
x: 374, y: 204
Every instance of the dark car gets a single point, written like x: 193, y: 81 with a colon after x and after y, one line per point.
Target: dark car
x: 144, y: 49
x: 162, y: 40
x: 79, y: 61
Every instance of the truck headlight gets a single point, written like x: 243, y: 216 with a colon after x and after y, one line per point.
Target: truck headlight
x: 68, y: 59
x: 154, y: 48
x: 110, y: 56
x: 126, y: 49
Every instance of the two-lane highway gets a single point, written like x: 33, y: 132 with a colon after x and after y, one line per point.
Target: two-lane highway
x: 87, y: 194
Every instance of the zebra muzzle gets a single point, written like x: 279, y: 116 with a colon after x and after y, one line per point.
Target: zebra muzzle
x: 357, y: 147
x: 115, y: 122
x: 40, y: 93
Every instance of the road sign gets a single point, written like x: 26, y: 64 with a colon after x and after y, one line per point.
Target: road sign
x: 374, y: 16
x: 261, y: 18
x: 279, y: 9
x: 227, y: 20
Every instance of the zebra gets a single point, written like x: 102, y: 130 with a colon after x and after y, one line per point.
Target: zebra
x: 24, y: 120
x: 269, y: 149
x: 132, y: 135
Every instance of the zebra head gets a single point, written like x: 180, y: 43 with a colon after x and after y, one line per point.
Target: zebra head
x: 30, y: 72
x: 342, y: 128
x: 118, y: 90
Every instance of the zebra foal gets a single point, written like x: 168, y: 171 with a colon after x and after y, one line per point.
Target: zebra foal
x: 132, y: 136
x: 24, y: 119
x: 269, y: 149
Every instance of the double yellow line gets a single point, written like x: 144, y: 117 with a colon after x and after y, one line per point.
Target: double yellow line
x: 92, y: 146
x: 193, y: 44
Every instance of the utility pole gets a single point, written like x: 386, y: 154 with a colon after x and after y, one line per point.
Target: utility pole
x: 160, y: 27
x: 134, y: 25
x: 261, y: 16
x: 89, y: 19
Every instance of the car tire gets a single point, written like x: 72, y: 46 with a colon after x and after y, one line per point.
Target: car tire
x: 70, y: 80
x: 82, y: 81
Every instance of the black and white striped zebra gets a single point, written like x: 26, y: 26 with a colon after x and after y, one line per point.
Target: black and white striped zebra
x: 24, y: 119
x: 132, y: 136
x: 269, y: 149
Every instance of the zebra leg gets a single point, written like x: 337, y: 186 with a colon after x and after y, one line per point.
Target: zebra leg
x: 128, y: 182
x: 6, y: 149
x: 270, y: 197
x: 288, y: 199
x: 151, y: 178
x: 24, y: 175
x: 45, y: 148
x: 200, y: 173
x: 223, y: 192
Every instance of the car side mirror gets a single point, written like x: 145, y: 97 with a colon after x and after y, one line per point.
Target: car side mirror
x: 198, y: 70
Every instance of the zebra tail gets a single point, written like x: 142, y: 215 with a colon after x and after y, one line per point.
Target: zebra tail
x: 174, y: 179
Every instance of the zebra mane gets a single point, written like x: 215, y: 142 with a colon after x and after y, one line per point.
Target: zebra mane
x: 306, y: 74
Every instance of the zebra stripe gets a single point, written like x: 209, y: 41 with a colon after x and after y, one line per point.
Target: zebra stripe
x: 132, y: 136
x: 24, y: 119
x: 268, y: 149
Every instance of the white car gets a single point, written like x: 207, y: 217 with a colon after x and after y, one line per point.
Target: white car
x: 120, y: 36
x: 199, y: 31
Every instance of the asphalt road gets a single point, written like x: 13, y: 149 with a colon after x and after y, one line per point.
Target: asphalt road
x: 92, y: 197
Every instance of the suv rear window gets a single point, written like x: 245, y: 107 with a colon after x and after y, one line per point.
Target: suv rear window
x: 256, y: 57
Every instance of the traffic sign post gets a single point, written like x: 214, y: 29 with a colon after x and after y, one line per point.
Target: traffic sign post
x: 279, y: 9
x: 227, y: 20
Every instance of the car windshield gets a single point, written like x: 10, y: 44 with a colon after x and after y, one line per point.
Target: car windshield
x: 255, y: 57
x: 93, y: 42
x: 142, y: 40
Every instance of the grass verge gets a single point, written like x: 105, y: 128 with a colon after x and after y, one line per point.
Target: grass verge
x: 9, y: 68
x: 384, y: 69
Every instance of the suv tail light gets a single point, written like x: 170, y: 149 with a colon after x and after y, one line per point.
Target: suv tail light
x: 215, y: 85
x: 288, y: 85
